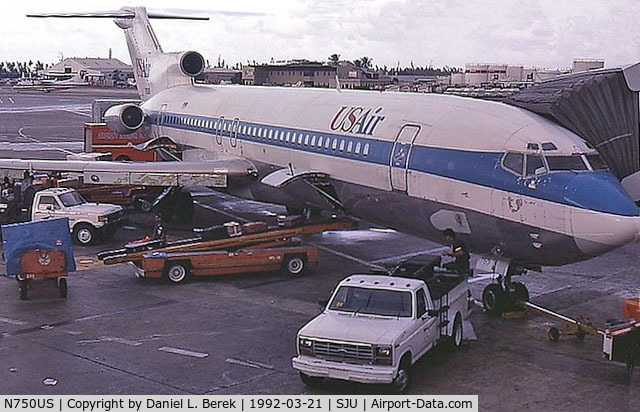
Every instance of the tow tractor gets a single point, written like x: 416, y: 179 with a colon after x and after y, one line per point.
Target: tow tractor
x: 231, y: 248
x: 620, y: 337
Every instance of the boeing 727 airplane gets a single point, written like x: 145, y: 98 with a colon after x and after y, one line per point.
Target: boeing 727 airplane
x: 520, y: 190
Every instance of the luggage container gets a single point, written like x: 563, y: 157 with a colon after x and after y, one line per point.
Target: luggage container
x: 38, y: 251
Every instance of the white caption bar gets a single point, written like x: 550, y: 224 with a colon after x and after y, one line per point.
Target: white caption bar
x: 238, y: 403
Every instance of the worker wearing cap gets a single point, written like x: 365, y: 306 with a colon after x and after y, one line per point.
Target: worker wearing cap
x: 158, y: 228
x: 455, y: 258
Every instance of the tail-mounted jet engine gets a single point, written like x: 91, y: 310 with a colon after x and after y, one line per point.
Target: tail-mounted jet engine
x: 191, y: 63
x: 124, y: 118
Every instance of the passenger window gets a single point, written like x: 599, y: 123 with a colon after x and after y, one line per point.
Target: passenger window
x: 271, y: 134
x: 320, y: 142
x: 288, y: 137
x: 334, y: 146
x: 421, y: 303
x: 535, y: 165
x: 357, y: 151
x: 349, y: 147
x: 342, y: 145
x: 313, y: 140
x: 365, y: 151
x: 281, y: 135
x: 327, y: 142
x: 306, y: 140
x: 513, y: 162
x: 300, y: 136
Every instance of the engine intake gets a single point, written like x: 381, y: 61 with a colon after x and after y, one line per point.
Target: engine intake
x: 191, y: 63
x: 124, y: 118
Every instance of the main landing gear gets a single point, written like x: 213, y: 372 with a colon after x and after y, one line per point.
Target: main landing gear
x: 503, y: 295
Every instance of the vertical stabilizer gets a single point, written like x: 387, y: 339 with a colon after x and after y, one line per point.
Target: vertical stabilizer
x: 153, y: 69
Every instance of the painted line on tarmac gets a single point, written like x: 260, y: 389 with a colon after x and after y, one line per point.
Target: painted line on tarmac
x: 13, y: 321
x: 410, y: 255
x: 53, y: 147
x: 349, y: 257
x: 184, y: 352
x: 251, y: 364
x: 110, y: 339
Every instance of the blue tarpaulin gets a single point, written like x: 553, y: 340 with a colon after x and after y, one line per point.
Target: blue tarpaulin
x: 46, y: 234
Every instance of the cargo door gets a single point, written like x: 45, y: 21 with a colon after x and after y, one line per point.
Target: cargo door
x: 400, y: 154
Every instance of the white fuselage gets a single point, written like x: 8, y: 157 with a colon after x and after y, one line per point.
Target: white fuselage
x: 437, y: 159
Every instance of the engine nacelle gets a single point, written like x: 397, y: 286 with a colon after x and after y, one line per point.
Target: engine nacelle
x: 124, y: 118
x: 191, y: 63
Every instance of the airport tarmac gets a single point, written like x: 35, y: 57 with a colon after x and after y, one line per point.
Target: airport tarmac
x: 116, y: 334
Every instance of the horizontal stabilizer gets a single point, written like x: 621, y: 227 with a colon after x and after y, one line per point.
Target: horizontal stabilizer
x: 117, y: 14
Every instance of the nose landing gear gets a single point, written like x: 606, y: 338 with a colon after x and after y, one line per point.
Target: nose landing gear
x: 503, y: 295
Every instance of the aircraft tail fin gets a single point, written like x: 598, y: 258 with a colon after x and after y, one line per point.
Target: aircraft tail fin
x: 148, y: 60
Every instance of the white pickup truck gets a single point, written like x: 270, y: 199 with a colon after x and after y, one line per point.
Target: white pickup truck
x: 375, y: 327
x: 87, y: 221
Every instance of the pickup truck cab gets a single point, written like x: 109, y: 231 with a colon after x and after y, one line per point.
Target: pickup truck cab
x: 375, y: 327
x: 87, y: 221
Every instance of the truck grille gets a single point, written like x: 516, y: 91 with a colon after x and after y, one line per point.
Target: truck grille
x: 341, y: 351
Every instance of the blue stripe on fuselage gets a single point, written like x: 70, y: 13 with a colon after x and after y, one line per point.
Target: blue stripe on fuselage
x: 599, y: 191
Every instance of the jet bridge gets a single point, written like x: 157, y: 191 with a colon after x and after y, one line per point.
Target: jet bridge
x: 600, y: 106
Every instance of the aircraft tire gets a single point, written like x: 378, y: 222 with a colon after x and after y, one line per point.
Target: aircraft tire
x: 493, y: 299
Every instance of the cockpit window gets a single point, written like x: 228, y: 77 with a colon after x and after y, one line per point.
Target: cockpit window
x: 514, y: 162
x: 535, y: 165
x: 564, y: 163
x: 596, y: 162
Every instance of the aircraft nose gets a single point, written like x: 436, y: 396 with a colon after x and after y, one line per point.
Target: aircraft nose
x: 605, y: 217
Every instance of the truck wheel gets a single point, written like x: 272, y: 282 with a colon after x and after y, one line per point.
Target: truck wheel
x: 62, y: 288
x: 493, y: 299
x: 310, y: 380
x: 403, y: 378
x: 294, y: 265
x: 84, y: 234
x: 177, y: 272
x: 456, y: 333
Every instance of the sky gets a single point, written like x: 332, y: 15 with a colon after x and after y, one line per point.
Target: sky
x: 535, y: 33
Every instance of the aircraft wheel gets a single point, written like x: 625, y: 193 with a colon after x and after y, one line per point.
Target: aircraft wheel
x: 520, y: 291
x: 493, y: 299
x: 553, y: 334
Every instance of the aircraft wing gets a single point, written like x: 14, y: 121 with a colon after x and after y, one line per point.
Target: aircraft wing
x: 212, y: 173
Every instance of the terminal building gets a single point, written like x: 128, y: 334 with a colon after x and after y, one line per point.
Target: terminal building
x: 505, y: 75
x: 315, y: 74
x: 92, y: 70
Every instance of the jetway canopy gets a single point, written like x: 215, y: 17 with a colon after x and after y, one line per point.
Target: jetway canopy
x: 600, y: 106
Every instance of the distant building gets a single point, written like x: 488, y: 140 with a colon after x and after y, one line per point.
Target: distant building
x: 310, y: 74
x: 583, y: 65
x: 217, y: 75
x: 354, y: 77
x: 314, y: 74
x: 503, y: 75
x: 103, y: 72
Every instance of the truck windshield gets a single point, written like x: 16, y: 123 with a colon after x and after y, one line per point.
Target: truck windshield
x: 71, y: 199
x: 372, y: 301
